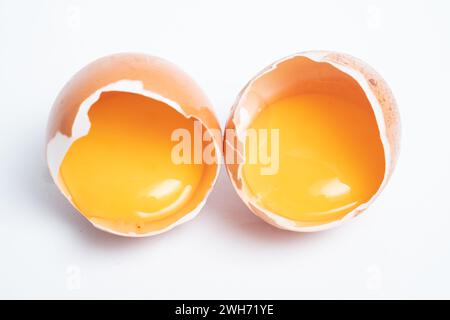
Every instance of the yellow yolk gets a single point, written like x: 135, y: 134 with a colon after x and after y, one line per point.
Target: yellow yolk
x: 329, y: 159
x: 122, y: 170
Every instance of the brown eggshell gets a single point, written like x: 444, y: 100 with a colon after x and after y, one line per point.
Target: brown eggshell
x: 128, y: 72
x: 296, y: 73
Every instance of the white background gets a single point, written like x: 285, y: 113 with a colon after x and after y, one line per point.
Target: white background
x: 400, y: 248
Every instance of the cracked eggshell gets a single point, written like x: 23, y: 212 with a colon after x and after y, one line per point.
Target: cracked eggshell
x: 292, y: 73
x: 134, y: 73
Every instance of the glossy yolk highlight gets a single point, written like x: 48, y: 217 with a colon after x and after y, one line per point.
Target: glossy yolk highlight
x: 122, y: 170
x: 331, y: 158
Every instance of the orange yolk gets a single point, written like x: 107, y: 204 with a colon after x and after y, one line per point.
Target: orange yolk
x: 327, y: 160
x: 122, y: 170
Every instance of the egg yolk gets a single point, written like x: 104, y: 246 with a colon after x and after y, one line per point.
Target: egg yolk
x: 326, y: 160
x: 122, y: 169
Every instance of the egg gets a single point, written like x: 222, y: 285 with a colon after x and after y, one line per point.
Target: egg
x: 312, y: 140
x: 126, y: 141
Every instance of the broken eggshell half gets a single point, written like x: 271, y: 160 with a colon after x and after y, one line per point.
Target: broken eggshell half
x: 110, y: 144
x: 309, y: 79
